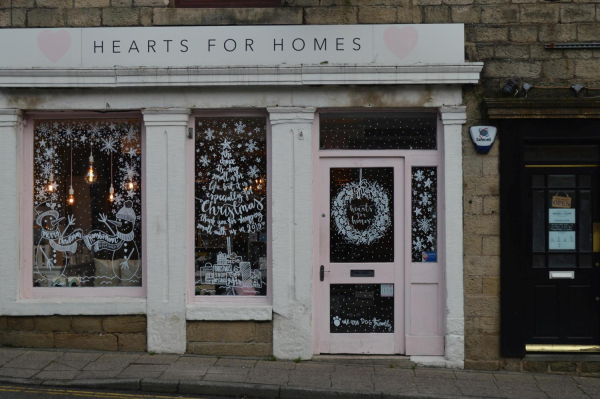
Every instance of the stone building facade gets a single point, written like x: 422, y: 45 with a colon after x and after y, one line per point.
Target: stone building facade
x: 508, y: 36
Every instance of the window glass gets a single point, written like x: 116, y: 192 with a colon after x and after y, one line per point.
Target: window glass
x: 231, y: 206
x: 378, y: 131
x: 424, y: 214
x: 361, y: 308
x: 87, y: 203
x: 362, y: 215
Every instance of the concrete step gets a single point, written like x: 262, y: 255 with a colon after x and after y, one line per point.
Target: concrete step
x: 366, y: 360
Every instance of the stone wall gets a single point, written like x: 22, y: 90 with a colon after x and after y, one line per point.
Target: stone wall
x: 105, y: 333
x: 230, y: 338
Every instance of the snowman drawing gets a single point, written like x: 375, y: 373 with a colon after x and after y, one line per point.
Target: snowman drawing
x: 49, y: 221
x: 120, y: 242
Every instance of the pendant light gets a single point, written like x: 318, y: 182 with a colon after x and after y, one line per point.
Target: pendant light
x: 111, y: 195
x: 91, y: 177
x: 71, y: 198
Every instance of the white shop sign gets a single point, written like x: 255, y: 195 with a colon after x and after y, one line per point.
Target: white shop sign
x: 181, y: 47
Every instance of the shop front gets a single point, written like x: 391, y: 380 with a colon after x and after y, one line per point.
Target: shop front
x: 257, y: 191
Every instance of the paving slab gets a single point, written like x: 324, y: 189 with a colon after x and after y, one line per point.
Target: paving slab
x: 36, y: 360
x: 236, y: 362
x: 60, y: 367
x: 315, y: 367
x: 397, y: 373
x: 227, y: 370
x: 299, y: 378
x: 265, y: 365
x: 274, y: 377
x: 472, y: 375
x: 157, y: 359
x: 441, y: 386
x: 78, y: 360
x: 98, y: 374
x: 350, y: 369
x: 57, y: 375
x: 17, y: 373
x: 238, y: 378
x: 182, y: 375
x: 188, y: 361
x: 143, y: 371
x: 11, y: 353
x: 360, y: 382
x: 227, y: 389
x: 447, y: 374
x: 389, y: 384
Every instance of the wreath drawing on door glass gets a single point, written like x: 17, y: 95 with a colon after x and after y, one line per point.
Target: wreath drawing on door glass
x: 380, y: 221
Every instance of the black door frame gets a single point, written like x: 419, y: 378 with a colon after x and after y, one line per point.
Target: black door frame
x: 514, y: 134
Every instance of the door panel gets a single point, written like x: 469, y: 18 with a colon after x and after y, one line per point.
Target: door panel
x: 560, y: 208
x: 361, y: 254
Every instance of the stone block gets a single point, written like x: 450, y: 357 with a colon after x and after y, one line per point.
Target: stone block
x: 499, y: 14
x: 523, y: 34
x: 481, y: 185
x: 264, y: 331
x: 482, y: 325
x: 472, y: 166
x: 539, y: 13
x: 590, y: 367
x: 146, y: 15
x: 558, y: 33
x: 436, y: 14
x: 539, y: 52
x: 472, y: 243
x: 588, y: 32
x: 3, y: 323
x: 484, y: 2
x: 221, y: 331
x: 45, y: 18
x: 16, y: 323
x: 491, y: 286
x: 362, y: 3
x: 484, y: 365
x: 52, y: 324
x: 563, y: 367
x: 587, y: 68
x: 514, y: 52
x: 132, y: 342
x: 150, y: 3
x: 54, y: 3
x: 100, y: 342
x: 457, y: 2
x: 427, y: 2
x: 570, y: 13
x: 124, y: 324
x: 228, y: 16
x: 377, y: 15
x: 482, y: 265
x: 467, y: 15
x: 491, y: 205
x: 230, y: 349
x: 409, y: 15
x: 120, y: 17
x: 86, y: 324
x: 84, y: 17
x: 579, y: 53
x: 507, y: 69
x: 491, y: 34
x: 511, y: 364
x: 121, y: 3
x: 473, y: 285
x: 482, y: 306
x: 26, y: 339
x: 482, y: 347
x: 491, y: 163
x: 23, y: 3
x: 491, y: 245
x: 473, y: 205
x: 331, y: 15
x: 563, y: 69
x: 5, y: 4
x: 482, y: 224
x: 92, y: 3
x: 19, y: 17
x: 535, y: 367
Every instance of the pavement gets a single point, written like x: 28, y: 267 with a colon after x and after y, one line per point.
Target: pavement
x: 256, y: 378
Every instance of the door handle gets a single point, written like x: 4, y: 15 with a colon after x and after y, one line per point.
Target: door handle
x: 322, y: 273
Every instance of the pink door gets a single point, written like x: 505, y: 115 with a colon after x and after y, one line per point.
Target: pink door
x: 360, y: 275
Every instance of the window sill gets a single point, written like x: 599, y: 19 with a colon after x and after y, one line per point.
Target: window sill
x: 74, y: 306
x: 228, y: 312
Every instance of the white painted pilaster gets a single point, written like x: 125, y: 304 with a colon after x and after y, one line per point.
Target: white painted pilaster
x: 10, y: 211
x: 292, y: 228
x: 166, y: 218
x: 453, y: 119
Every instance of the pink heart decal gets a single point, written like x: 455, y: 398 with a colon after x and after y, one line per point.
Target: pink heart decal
x: 401, y: 41
x: 54, y: 45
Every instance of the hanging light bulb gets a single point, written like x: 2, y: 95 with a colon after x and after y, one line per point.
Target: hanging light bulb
x: 51, y: 185
x: 71, y: 198
x: 111, y: 196
x: 130, y: 185
x: 91, y: 177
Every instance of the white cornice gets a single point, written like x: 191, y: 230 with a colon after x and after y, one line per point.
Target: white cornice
x: 243, y: 76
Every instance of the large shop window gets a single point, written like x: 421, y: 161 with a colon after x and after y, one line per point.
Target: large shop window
x: 231, y: 206
x: 87, y: 203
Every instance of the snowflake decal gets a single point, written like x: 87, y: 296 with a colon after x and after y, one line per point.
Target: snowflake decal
x: 253, y: 171
x: 210, y: 134
x: 108, y: 145
x: 204, y: 161
x: 251, y: 146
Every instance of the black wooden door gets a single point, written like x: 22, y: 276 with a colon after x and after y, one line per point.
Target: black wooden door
x: 562, y: 271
